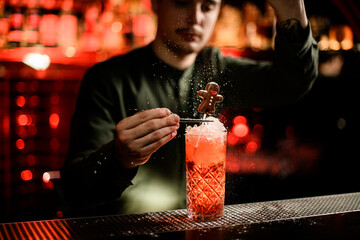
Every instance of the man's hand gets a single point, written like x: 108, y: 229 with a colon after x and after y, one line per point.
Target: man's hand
x: 140, y: 135
x: 288, y: 10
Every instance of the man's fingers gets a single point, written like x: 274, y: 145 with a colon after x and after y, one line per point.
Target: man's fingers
x: 154, y: 125
x: 140, y: 135
x: 151, y: 126
x: 144, y: 116
x: 155, y: 136
x: 141, y: 152
x: 151, y: 148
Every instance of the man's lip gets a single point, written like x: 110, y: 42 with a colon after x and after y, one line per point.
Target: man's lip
x: 189, y: 35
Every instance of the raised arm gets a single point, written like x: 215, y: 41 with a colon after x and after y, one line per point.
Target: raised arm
x: 288, y: 11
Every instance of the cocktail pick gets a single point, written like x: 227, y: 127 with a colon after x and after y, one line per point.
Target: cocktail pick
x: 194, y: 120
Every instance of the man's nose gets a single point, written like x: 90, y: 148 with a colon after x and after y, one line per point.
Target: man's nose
x: 195, y: 14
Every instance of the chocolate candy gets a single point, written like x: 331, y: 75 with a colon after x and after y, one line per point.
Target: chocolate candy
x: 210, y: 97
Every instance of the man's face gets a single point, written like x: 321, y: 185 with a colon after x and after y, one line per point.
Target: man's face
x: 185, y: 26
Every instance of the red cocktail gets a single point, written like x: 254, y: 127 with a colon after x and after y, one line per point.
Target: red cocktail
x: 205, y: 171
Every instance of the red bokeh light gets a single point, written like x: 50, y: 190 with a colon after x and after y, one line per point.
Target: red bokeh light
x: 23, y: 119
x: 20, y: 144
x: 20, y: 101
x: 54, y: 120
x: 251, y: 147
x: 240, y: 120
x: 241, y: 130
x: 26, y: 175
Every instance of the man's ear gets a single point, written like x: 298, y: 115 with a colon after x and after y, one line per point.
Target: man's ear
x: 155, y: 5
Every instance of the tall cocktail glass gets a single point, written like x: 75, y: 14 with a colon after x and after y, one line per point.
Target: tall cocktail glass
x: 205, y: 171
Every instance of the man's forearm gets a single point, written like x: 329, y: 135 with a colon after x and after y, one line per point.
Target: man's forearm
x: 288, y: 10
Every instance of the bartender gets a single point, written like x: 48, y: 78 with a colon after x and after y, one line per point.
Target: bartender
x: 121, y: 162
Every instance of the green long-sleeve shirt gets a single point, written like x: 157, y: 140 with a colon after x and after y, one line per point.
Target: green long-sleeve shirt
x: 140, y: 80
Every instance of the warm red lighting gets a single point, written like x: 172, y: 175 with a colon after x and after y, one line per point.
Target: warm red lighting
x: 34, y: 101
x: 54, y: 120
x: 20, y: 144
x: 48, y: 185
x: 54, y: 144
x: 21, y: 132
x: 23, y: 119
x: 116, y: 27
x: 70, y: 52
x: 6, y: 125
x: 67, y: 30
x: 32, y: 130
x: 251, y: 147
x: 54, y: 99
x: 20, y: 87
x: 26, y: 175
x: 232, y: 139
x: 240, y: 120
x: 30, y: 160
x: 241, y: 130
x: 230, y: 52
x: 142, y: 25
x: 48, y: 29
x: 20, y: 101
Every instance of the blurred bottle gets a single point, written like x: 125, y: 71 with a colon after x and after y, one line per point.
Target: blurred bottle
x: 139, y: 22
x: 16, y: 23
x: 111, y: 28
x: 67, y: 35
x: 143, y: 23
x: 32, y: 23
x: 89, y: 40
x: 49, y: 23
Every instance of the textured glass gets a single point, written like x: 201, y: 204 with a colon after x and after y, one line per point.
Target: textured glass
x: 205, y: 176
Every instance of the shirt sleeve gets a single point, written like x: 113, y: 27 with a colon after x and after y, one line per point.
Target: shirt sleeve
x: 91, y: 174
x: 284, y: 80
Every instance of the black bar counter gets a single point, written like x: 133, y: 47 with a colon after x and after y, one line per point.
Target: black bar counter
x: 322, y: 217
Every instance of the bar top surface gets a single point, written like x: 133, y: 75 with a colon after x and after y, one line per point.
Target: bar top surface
x: 330, y: 216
